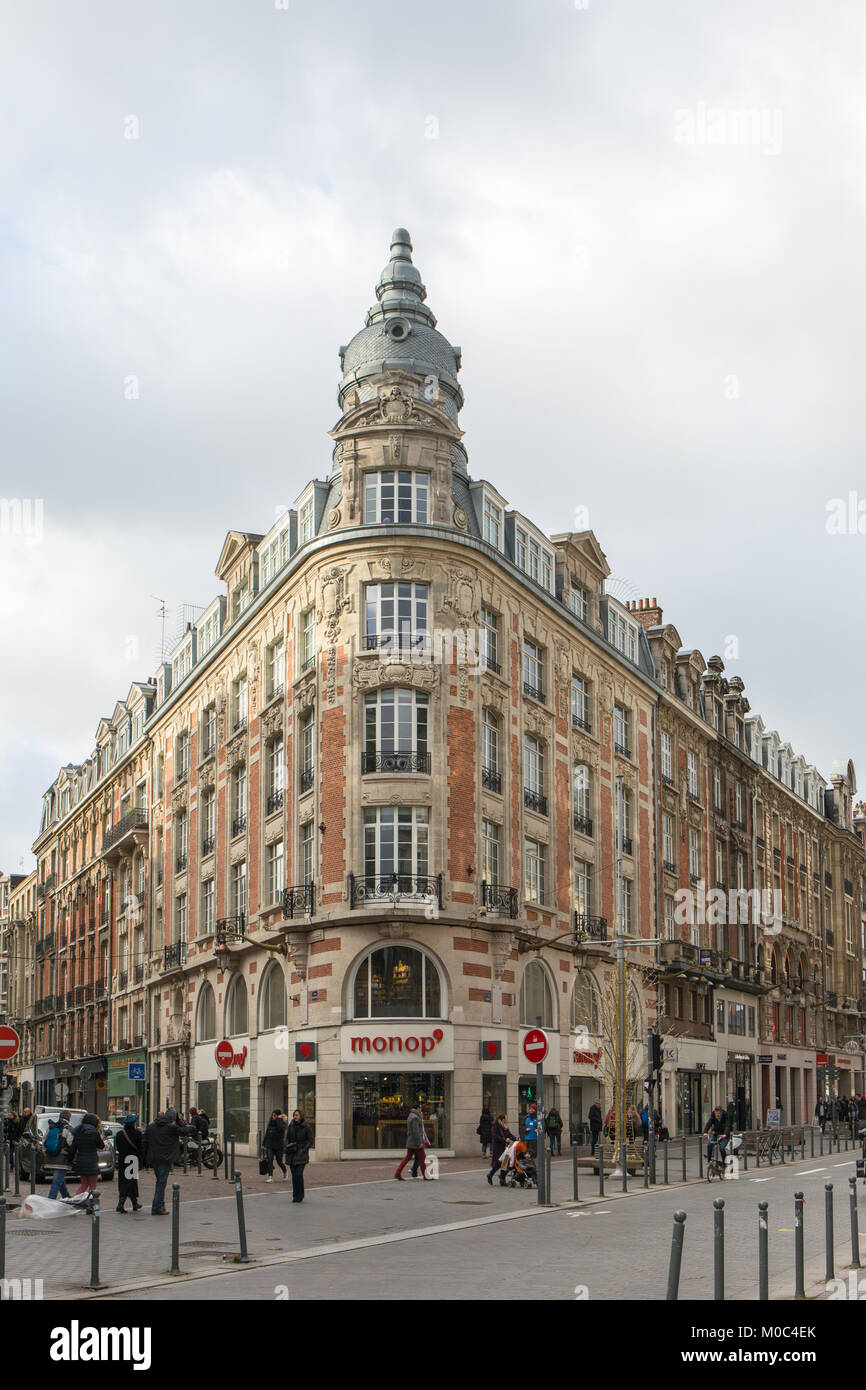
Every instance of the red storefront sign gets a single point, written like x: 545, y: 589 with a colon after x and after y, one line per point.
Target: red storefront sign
x: 391, y: 1044
x: 590, y: 1057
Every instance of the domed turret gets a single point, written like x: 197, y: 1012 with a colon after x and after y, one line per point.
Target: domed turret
x: 400, y: 335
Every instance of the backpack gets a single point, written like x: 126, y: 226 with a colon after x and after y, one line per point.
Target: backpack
x: 54, y: 1139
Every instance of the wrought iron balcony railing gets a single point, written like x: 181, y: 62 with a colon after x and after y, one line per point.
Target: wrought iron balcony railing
x: 626, y: 844
x: 239, y: 723
x: 412, y: 888
x: 239, y: 825
x: 298, y: 901
x: 174, y: 955
x: 491, y: 779
x: 207, y: 845
x: 395, y: 762
x: 669, y: 866
x: 582, y: 824
x: 622, y: 748
x: 534, y: 690
x: 497, y: 898
x: 230, y: 929
x: 305, y: 779
x: 180, y: 863
x: 122, y: 979
x: 132, y: 821
x: 535, y: 801
x: 491, y: 665
x: 589, y: 927
x: 579, y: 721
x: 275, y: 802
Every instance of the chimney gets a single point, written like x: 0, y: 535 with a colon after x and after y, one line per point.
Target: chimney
x: 647, y: 612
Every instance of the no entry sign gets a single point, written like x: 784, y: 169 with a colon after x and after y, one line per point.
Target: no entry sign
x: 9, y: 1043
x: 535, y: 1046
x: 224, y: 1053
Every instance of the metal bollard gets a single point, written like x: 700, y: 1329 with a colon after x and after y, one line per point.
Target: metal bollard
x: 763, y: 1253
x: 855, y: 1225
x: 198, y: 1149
x: 719, y: 1249
x: 175, y: 1228
x: 821, y: 1144
x: 791, y: 1136
x: 829, y: 1252
x: 770, y: 1146
x: 646, y: 1165
x: 548, y: 1178
x: 17, y: 1172
x: 799, y: 1259
x: 802, y: 1144
x: 745, y: 1151
x: 94, y: 1249
x: 667, y: 1141
x: 2, y: 1243
x: 601, y: 1168
x: 684, y: 1158
x: 676, y: 1259
x: 623, y: 1165
x: 32, y: 1172
x: 216, y: 1167
x: 781, y: 1146
x: 226, y: 1157
x: 701, y: 1159
x: 812, y: 1143
x: 185, y: 1155
x: 574, y: 1170
x: 234, y: 1169
x: 242, y: 1229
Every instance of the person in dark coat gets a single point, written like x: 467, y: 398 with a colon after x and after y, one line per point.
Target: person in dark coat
x: 86, y: 1142
x: 500, y: 1137
x: 553, y: 1130
x: 485, y: 1130
x: 299, y: 1140
x: 128, y: 1145
x: 200, y: 1122
x: 274, y: 1143
x: 595, y: 1124
x: 161, y: 1150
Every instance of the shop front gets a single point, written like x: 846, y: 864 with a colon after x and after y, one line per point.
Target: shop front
x: 227, y: 1104
x: 739, y: 1070
x: 585, y: 1086
x: 127, y: 1084
x: 387, y: 1068
x: 45, y: 1082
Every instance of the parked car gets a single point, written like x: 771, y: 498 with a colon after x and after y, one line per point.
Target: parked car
x: 32, y: 1145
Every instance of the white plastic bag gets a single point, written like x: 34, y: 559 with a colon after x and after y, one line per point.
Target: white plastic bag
x: 46, y: 1208
x: 432, y: 1163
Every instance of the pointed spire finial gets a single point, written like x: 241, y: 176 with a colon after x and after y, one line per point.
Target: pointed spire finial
x: 401, y: 245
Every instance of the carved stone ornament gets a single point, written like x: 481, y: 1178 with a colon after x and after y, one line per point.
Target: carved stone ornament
x: 273, y: 830
x: 420, y: 675
x: 583, y: 751
x: 502, y: 941
x: 298, y: 944
x: 207, y: 774
x: 305, y: 696
x: 463, y: 595
x: 236, y: 751
x: 537, y: 723
x: 383, y: 796
x: 394, y: 564
x: 460, y: 518
x: 333, y: 518
x: 179, y: 798
x: 238, y: 850
x: 334, y: 599
x: 272, y: 720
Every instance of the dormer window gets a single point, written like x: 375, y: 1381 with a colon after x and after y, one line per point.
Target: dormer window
x: 241, y: 597
x: 274, y: 555
x: 307, y: 520
x: 531, y: 556
x: 208, y: 632
x: 621, y: 634
x: 492, y: 523
x: 181, y: 665
x: 578, y: 601
x: 396, y: 498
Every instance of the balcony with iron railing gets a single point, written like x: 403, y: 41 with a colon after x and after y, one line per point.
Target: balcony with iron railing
x: 239, y: 723
x: 535, y: 801
x: 582, y: 824
x: 621, y: 748
x: 498, y: 900
x: 491, y: 779
x: 589, y: 928
x: 130, y: 831
x: 626, y: 844
x: 579, y: 721
x: 239, y: 825
x: 669, y: 866
x: 395, y: 762
x: 491, y: 665
x: 535, y: 691
x: 275, y: 802
x: 122, y: 979
x: 174, y: 956
x: 180, y: 863
x: 413, y: 889
x: 99, y: 989
x: 305, y: 779
x: 207, y: 845
x: 230, y: 929
x: 297, y: 901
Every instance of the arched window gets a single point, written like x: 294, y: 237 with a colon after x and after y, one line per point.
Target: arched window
x: 774, y: 968
x: 237, y: 1013
x: 536, y: 996
x: 585, y: 1011
x: 397, y: 982
x: 801, y: 973
x: 205, y: 1018
x: 273, y: 997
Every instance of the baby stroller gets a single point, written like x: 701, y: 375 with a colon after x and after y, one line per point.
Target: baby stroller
x: 519, y: 1166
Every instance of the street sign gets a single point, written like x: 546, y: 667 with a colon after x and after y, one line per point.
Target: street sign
x: 136, y: 1071
x: 224, y: 1053
x: 535, y: 1046
x: 9, y: 1043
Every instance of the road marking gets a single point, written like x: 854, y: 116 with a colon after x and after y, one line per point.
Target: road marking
x: 761, y: 1179
x: 842, y: 1165
x: 573, y: 1214
x: 807, y: 1171
x: 785, y: 1230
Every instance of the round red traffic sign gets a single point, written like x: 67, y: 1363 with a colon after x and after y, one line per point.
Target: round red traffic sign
x: 535, y: 1045
x: 9, y: 1043
x: 224, y: 1053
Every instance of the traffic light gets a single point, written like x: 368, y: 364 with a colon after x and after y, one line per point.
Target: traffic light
x: 656, y: 1059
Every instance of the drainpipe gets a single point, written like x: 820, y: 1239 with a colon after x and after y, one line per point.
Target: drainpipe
x: 658, y: 882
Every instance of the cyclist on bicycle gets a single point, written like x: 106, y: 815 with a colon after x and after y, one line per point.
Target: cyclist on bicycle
x: 717, y: 1129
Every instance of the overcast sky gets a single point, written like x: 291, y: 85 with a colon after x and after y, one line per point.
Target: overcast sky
x: 660, y: 307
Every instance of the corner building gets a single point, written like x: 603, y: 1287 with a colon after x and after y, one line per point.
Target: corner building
x: 367, y: 816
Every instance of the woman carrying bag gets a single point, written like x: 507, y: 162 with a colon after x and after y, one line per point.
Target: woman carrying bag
x: 273, y: 1145
x: 299, y: 1140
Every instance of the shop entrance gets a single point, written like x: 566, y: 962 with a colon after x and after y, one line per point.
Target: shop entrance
x: 739, y: 1089
x: 694, y: 1101
x: 527, y: 1094
x: 582, y: 1091
x: 376, y: 1104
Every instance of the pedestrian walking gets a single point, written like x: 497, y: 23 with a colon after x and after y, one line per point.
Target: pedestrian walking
x: 530, y: 1130
x: 821, y: 1114
x: 86, y: 1141
x: 161, y: 1150
x: 644, y: 1124
x: 13, y: 1133
x: 128, y: 1145
x: 274, y: 1144
x: 414, y: 1142
x: 553, y: 1128
x: 57, y: 1148
x: 853, y: 1111
x: 595, y: 1125
x: 425, y: 1143
x: 500, y: 1138
x: 485, y: 1130
x: 299, y: 1141
x: 200, y: 1122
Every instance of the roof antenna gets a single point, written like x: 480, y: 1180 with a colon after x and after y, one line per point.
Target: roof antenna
x: 161, y: 612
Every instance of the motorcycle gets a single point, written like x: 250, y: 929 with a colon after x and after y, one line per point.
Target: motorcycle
x: 211, y: 1153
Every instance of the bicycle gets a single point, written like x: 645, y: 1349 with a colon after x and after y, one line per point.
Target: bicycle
x: 716, y: 1164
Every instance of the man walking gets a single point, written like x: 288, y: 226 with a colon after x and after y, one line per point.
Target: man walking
x: 58, y: 1142
x: 414, y: 1143
x: 595, y: 1123
x: 161, y: 1152
x: 530, y: 1131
